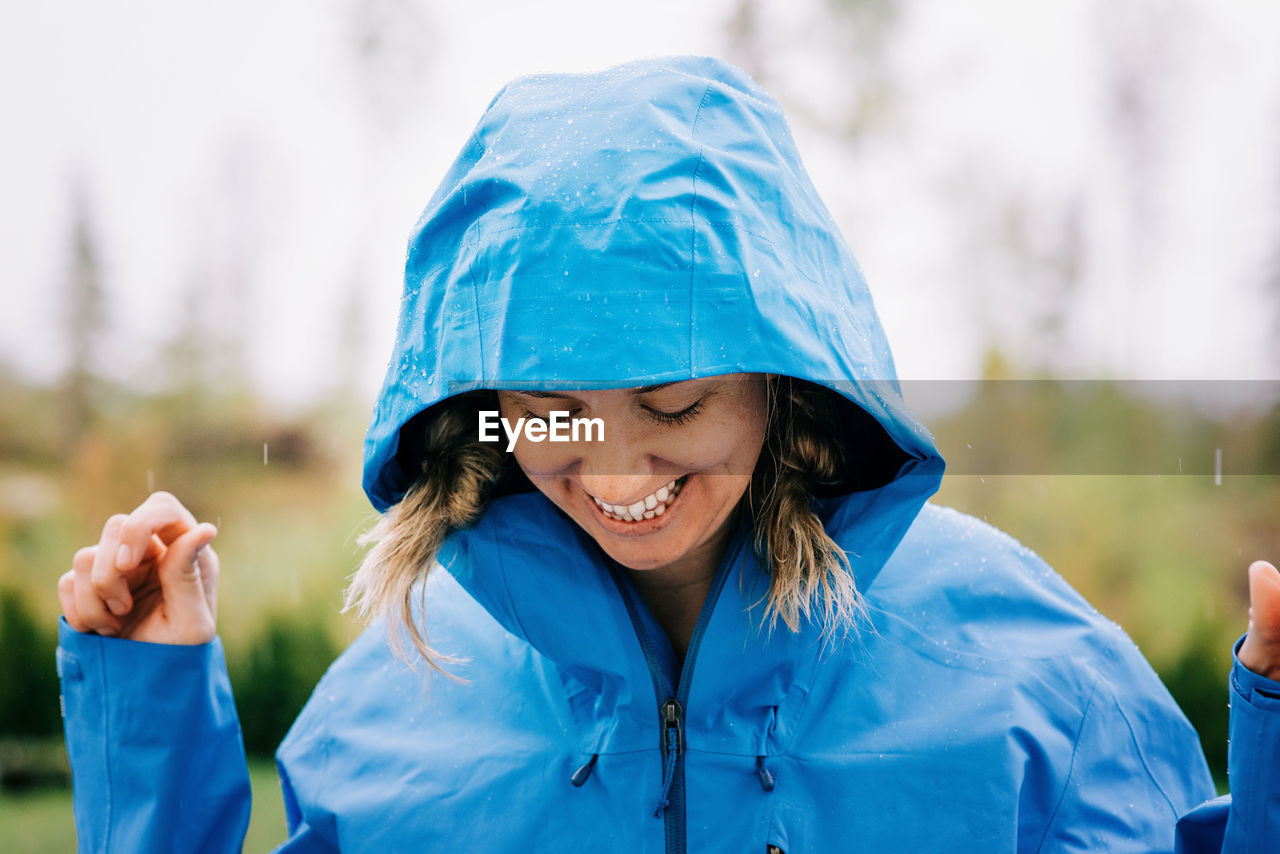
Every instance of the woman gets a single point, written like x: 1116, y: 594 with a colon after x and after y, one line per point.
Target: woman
x: 731, y: 623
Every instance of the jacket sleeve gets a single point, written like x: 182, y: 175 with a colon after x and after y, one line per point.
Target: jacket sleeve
x: 1248, y: 820
x: 1137, y: 773
x: 157, y: 759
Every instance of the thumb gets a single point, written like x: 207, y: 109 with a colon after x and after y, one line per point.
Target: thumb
x: 1261, y: 650
x: 181, y: 581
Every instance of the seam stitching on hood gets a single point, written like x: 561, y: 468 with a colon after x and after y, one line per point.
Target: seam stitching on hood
x: 693, y: 218
x: 613, y: 220
x: 475, y: 306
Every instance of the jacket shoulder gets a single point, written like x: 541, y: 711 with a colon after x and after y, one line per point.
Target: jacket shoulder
x: 965, y: 597
x: 957, y: 578
x: 386, y: 743
x: 372, y: 688
x: 983, y: 620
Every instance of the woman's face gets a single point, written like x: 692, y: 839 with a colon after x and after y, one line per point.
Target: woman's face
x: 659, y: 490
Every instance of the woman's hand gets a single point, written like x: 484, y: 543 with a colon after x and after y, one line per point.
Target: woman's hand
x: 1260, y: 651
x: 151, y: 577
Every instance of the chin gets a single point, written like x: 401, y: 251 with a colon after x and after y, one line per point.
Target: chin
x: 640, y: 561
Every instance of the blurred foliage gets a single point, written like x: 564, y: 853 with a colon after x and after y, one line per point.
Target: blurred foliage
x: 1055, y: 464
x: 28, y: 683
x: 276, y: 675
x: 284, y: 494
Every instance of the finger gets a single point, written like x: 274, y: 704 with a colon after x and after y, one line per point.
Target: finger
x: 1264, y: 600
x: 161, y: 514
x: 67, y: 596
x: 183, y: 588
x: 90, y: 607
x: 210, y: 566
x: 108, y: 584
x: 1260, y: 651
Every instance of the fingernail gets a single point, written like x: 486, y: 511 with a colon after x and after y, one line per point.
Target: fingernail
x: 116, y: 607
x: 124, y: 557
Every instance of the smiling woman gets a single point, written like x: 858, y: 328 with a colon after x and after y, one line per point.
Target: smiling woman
x: 734, y: 623
x: 660, y: 495
x: 698, y: 440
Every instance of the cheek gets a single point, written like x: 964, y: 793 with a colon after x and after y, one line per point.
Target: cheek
x: 542, y: 460
x: 730, y: 443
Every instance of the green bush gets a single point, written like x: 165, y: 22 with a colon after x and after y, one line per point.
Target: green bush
x: 28, y: 673
x: 276, y: 676
x: 1198, y: 681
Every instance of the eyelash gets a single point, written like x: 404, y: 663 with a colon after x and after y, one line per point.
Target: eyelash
x: 684, y: 416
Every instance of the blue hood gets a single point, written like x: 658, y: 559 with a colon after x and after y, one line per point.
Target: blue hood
x: 649, y: 223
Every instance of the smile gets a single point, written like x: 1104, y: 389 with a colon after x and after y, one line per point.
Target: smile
x: 652, y: 505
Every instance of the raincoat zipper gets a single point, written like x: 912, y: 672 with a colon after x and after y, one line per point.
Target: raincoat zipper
x: 671, y: 709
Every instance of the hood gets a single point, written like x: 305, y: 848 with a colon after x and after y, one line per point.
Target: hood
x: 645, y: 224
x: 649, y: 223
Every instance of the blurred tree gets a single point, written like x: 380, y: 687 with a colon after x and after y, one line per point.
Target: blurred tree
x: 390, y: 43
x: 1271, y: 272
x: 850, y: 40
x: 1027, y: 252
x: 351, y: 341
x: 1145, y: 48
x: 84, y: 319
x: 205, y: 362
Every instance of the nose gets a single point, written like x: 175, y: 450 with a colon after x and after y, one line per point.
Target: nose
x: 616, y: 471
x: 617, y: 488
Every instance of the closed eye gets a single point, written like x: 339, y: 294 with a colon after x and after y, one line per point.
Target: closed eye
x: 684, y: 416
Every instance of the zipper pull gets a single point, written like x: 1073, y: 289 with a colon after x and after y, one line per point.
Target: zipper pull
x: 584, y: 773
x: 766, y: 779
x: 672, y: 727
x: 672, y: 743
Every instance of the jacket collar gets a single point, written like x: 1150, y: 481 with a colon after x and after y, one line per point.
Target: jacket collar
x: 545, y: 581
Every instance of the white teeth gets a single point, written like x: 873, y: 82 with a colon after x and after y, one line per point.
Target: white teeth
x: 649, y: 507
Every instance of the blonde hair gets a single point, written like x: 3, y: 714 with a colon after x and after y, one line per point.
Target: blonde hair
x: 457, y: 475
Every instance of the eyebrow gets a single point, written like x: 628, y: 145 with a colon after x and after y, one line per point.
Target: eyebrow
x: 555, y: 394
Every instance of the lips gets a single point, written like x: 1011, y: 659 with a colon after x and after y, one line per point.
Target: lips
x: 651, y: 506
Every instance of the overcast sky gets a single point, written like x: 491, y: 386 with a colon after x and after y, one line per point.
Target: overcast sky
x: 252, y: 149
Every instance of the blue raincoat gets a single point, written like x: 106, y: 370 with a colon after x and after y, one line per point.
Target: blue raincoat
x: 652, y: 223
